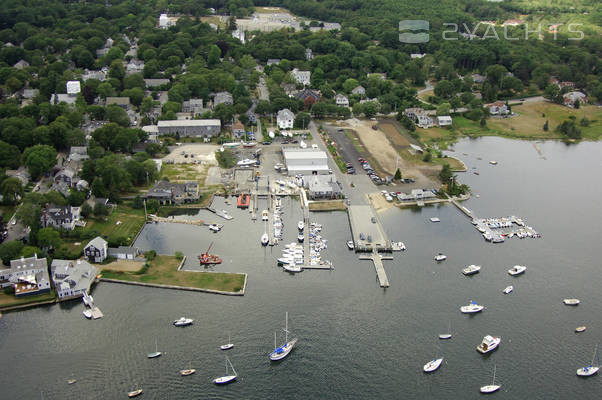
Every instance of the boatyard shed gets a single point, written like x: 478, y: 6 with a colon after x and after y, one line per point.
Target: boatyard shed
x: 305, y: 161
x: 194, y: 127
x: 322, y: 187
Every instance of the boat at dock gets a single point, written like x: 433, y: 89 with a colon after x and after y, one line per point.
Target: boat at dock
x: 440, y: 257
x: 265, y: 215
x: 517, y: 270
x: 571, y: 302
x: 471, y: 270
x: 350, y: 245
x: 222, y: 380
x: 472, y: 308
x: 281, y: 352
x: 88, y: 300
x: 87, y: 314
x: 243, y: 201
x: 292, y: 267
x: 209, y: 259
x: 183, y: 321
x: 493, y: 387
x: 300, y: 238
x: 301, y: 225
x: 135, y: 393
x: 214, y: 228
x: 488, y: 344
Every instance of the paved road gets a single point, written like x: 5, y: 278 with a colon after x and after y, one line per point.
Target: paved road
x: 262, y: 88
x: 345, y: 147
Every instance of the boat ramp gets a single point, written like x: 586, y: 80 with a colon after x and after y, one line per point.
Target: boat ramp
x: 366, y: 229
x: 377, y: 259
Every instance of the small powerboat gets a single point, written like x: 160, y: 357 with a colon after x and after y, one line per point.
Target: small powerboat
x: 435, y: 219
x: 214, y: 228
x: 571, y: 302
x: 300, y: 238
x: 488, y: 344
x: 580, y: 329
x: 440, y: 257
x: 183, y: 321
x: 301, y: 225
x: 517, y: 270
x: 471, y: 270
x: 472, y: 308
x: 350, y: 245
x: 135, y: 393
x: 508, y: 290
x: 87, y: 314
x: 265, y: 239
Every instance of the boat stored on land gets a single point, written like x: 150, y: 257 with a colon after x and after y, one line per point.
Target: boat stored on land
x: 265, y: 215
x: 243, y: 201
x: 301, y: 225
x: 488, y: 344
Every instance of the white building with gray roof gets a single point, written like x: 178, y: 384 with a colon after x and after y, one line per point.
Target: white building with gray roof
x: 72, y: 278
x: 194, y: 127
x: 28, y: 276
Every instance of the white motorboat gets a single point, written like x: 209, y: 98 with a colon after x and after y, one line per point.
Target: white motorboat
x: 571, y: 302
x: 246, y: 163
x: 435, y: 219
x: 300, y: 238
x: 591, y: 369
x: 265, y: 239
x: 471, y: 270
x: 493, y: 387
x: 155, y: 353
x: 135, y: 393
x: 440, y: 257
x: 214, y: 228
x: 580, y: 329
x: 228, y: 345
x: 291, y: 267
x: 488, y: 344
x: 222, y: 380
x: 350, y: 245
x: 493, y: 162
x: 301, y: 225
x: 508, y: 290
x: 265, y: 215
x: 183, y: 321
x: 433, y: 365
x: 472, y: 308
x: 280, y: 352
x: 87, y: 314
x: 88, y: 300
x: 448, y: 335
x: 517, y: 270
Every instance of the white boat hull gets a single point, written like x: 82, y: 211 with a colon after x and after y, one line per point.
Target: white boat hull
x: 485, y: 348
x: 508, y: 290
x: 186, y: 372
x: 490, y: 388
x: 292, y: 268
x: 471, y: 309
x: 571, y: 302
x: 445, y: 336
x: 226, y: 346
x: 588, y: 371
x: 433, y: 365
x: 222, y: 380
x: 283, y: 351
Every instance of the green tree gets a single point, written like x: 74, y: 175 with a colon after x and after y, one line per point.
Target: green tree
x: 49, y: 239
x: 137, y: 203
x: 546, y: 126
x: 39, y: 159
x: 116, y: 70
x: 10, y: 156
x: 12, y: 190
x: 10, y: 251
x: 302, y: 120
x: 86, y: 210
x: 100, y: 210
x: 443, y: 109
x: 397, y: 176
x: 213, y: 56
x: 446, y: 173
x: 152, y: 206
x: 105, y: 90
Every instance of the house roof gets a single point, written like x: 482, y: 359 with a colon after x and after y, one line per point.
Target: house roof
x: 285, y: 114
x: 189, y: 123
x: 307, y: 93
x: 97, y: 242
x: 73, y: 87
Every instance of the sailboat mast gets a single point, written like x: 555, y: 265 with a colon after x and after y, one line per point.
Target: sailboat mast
x: 275, y: 345
x: 286, y: 329
x: 494, y: 368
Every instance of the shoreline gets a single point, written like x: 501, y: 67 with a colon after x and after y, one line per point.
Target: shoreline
x: 187, y: 288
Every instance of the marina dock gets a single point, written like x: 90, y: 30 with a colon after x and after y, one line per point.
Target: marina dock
x: 366, y: 229
x: 377, y: 259
x: 96, y: 313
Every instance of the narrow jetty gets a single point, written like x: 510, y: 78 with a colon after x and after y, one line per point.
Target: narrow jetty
x: 377, y: 259
x: 154, y: 218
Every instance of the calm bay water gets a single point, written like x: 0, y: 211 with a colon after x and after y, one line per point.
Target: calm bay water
x: 357, y: 340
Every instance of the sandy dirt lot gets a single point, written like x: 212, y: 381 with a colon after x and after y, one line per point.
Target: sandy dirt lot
x: 124, y: 265
x: 204, y: 153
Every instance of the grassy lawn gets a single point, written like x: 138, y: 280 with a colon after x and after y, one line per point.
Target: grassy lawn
x: 9, y: 300
x: 184, y: 172
x: 529, y: 123
x: 416, y: 160
x: 164, y: 271
x: 328, y: 205
x: 442, y: 137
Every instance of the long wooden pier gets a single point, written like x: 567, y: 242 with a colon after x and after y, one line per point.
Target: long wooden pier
x: 377, y: 259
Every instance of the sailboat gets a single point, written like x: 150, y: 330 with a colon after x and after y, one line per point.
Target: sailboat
x: 493, y: 387
x: 155, y: 353
x: 222, y: 380
x: 447, y: 335
x: 188, y: 371
x: 135, y: 393
x: 590, y: 369
x: 227, y: 346
x: 280, y: 352
x: 433, y: 365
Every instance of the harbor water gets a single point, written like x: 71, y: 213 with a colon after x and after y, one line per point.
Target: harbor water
x: 356, y: 340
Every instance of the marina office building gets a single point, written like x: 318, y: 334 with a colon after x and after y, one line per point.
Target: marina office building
x: 305, y: 161
x: 190, y: 127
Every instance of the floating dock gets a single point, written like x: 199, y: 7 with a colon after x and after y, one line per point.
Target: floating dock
x: 377, y: 259
x: 96, y: 313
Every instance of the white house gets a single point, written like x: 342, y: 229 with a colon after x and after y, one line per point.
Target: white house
x: 497, y: 108
x: 28, y: 276
x: 124, y: 252
x: 302, y: 77
x: 96, y: 249
x: 341, y: 100
x: 239, y: 34
x: 419, y: 116
x: 360, y: 90
x: 444, y: 120
x: 571, y: 98
x: 72, y: 278
x: 285, y: 119
x: 165, y: 22
x: 309, y: 54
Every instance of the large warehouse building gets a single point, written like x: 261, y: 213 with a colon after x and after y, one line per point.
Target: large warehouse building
x: 305, y: 161
x: 191, y: 127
